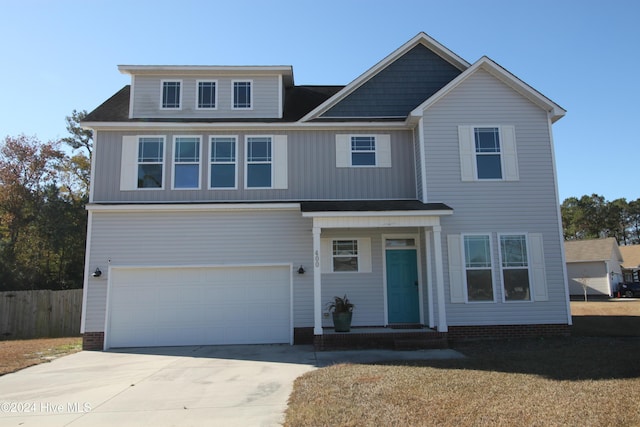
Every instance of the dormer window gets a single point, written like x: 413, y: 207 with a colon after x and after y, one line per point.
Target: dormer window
x: 207, y: 95
x: 242, y: 95
x: 171, y: 94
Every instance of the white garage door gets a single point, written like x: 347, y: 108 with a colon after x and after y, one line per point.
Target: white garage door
x: 199, y: 306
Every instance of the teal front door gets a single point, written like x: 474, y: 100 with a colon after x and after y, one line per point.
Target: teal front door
x: 402, y: 286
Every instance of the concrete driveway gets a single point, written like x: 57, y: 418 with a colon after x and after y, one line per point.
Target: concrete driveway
x: 170, y: 386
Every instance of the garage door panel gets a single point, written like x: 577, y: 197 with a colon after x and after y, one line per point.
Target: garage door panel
x: 192, y: 306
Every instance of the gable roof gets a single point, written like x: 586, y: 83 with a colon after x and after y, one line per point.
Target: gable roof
x: 592, y: 250
x: 631, y: 256
x: 422, y: 39
x: 487, y: 64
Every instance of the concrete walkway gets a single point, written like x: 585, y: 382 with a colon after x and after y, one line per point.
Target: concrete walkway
x: 171, y: 386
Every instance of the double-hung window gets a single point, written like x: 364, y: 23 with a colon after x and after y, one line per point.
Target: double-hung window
x: 478, y: 270
x: 487, y: 146
x: 345, y: 255
x: 515, y: 267
x: 259, y: 162
x: 223, y: 162
x: 150, y: 162
x: 171, y: 94
x: 363, y: 150
x: 242, y: 95
x: 488, y: 153
x: 207, y: 96
x: 186, y: 160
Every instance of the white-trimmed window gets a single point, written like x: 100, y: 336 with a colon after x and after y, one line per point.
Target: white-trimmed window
x: 363, y: 151
x: 150, y: 162
x: 346, y: 255
x: 242, y: 95
x: 266, y: 162
x: 259, y: 162
x: 487, y: 149
x: 207, y: 98
x: 223, y: 168
x: 514, y: 262
x: 186, y: 162
x: 478, y: 268
x: 488, y: 153
x: 171, y: 94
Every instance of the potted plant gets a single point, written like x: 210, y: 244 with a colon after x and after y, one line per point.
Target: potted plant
x: 342, y: 310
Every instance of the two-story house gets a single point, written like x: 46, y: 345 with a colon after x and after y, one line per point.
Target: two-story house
x: 228, y: 205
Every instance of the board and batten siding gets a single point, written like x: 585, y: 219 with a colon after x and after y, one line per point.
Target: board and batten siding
x: 147, y: 96
x: 200, y: 238
x: 311, y: 170
x: 525, y: 205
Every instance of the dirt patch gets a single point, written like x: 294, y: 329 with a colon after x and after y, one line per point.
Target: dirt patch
x: 20, y: 354
x: 618, y: 307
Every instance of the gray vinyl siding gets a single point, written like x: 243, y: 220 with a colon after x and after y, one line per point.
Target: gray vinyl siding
x: 200, y: 238
x: 528, y: 205
x: 236, y: 237
x: 147, y: 96
x: 418, y: 166
x: 365, y: 290
x: 399, y: 88
x: 312, y: 172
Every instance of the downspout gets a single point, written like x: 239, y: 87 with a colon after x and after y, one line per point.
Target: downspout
x: 559, y: 216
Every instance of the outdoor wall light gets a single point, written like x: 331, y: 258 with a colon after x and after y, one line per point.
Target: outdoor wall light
x: 301, y: 270
x: 97, y: 273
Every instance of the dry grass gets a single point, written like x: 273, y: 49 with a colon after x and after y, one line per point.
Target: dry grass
x: 20, y: 354
x: 577, y: 381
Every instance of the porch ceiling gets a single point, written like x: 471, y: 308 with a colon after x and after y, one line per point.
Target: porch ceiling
x: 374, y: 213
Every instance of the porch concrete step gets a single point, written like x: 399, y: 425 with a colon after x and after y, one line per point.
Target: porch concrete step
x: 420, y: 343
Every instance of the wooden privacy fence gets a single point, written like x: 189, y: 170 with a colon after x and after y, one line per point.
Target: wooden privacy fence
x: 40, y: 314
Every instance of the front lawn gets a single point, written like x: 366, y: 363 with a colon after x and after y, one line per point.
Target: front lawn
x: 550, y: 382
x: 577, y: 381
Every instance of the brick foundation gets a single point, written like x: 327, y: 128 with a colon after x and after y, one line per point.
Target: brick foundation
x: 360, y: 338
x: 93, y: 341
x: 507, y: 331
x: 302, y: 336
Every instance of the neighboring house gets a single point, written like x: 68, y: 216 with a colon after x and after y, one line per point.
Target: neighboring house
x: 595, y: 264
x: 228, y: 205
x: 631, y: 263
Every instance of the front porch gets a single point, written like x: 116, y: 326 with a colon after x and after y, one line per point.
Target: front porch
x: 405, y: 284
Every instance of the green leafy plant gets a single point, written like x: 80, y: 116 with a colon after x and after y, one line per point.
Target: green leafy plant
x: 340, y: 305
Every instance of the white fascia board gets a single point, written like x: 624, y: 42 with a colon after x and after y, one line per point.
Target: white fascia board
x: 172, y: 207
x: 367, y: 214
x: 485, y: 63
x: 261, y: 70
x: 399, y: 125
x: 421, y: 38
x: 140, y: 69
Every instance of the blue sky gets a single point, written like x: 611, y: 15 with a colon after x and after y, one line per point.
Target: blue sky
x: 62, y: 55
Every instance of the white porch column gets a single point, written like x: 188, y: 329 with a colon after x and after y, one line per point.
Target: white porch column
x: 437, y: 252
x: 317, y: 287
